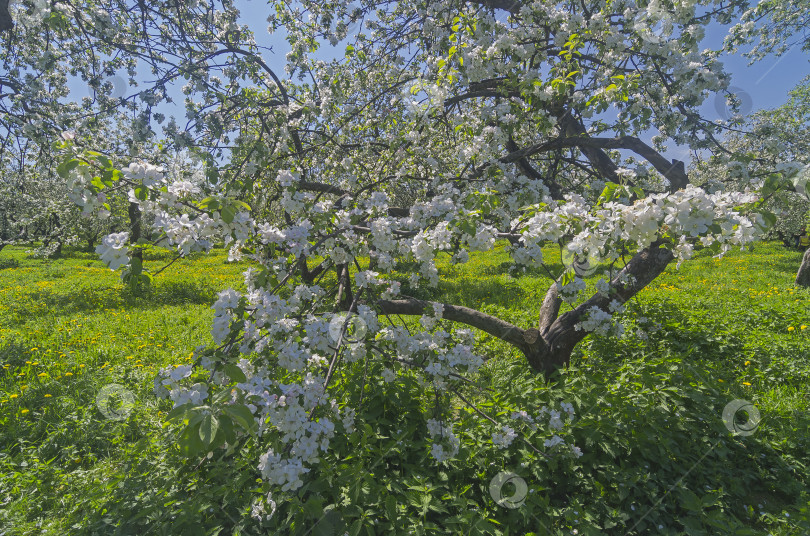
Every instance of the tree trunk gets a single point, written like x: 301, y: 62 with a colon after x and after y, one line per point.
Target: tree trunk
x: 135, y: 228
x: 803, y: 275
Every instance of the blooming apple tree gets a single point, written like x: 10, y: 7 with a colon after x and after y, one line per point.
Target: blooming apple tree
x: 444, y: 128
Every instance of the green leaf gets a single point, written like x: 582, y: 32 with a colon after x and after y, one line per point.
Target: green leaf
x: 241, y: 204
x: 391, y: 508
x: 210, y: 203
x: 65, y: 168
x: 235, y: 373
x: 208, y: 429
x: 769, y: 217
x: 98, y: 182
x: 227, y: 212
x: 136, y: 266
x: 189, y: 441
x: 104, y: 161
x: 568, y: 276
x: 314, y: 507
x: 241, y: 415
x: 226, y: 428
x: 177, y: 413
x: 356, y: 527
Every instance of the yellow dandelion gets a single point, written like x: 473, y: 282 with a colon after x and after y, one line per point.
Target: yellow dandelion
x: 747, y: 363
x: 68, y: 374
x: 746, y: 383
x: 791, y: 328
x: 43, y: 375
x: 23, y: 411
x: 803, y: 327
x: 13, y: 396
x: 47, y: 396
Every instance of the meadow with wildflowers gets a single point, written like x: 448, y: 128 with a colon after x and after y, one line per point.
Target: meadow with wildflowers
x: 642, y: 413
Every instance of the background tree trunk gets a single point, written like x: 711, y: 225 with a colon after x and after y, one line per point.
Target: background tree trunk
x: 135, y: 229
x: 803, y: 275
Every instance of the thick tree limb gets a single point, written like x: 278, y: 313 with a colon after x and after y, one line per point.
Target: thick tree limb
x: 6, y: 23
x: 550, y: 309
x: 574, y: 128
x: 487, y: 323
x: 674, y: 171
x: 593, y: 149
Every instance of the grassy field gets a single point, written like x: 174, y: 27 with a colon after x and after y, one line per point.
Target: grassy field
x: 658, y: 457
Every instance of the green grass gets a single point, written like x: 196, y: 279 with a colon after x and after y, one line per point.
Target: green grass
x: 648, y: 410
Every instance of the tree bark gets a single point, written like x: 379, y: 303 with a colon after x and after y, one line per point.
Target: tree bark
x: 6, y: 23
x: 135, y: 229
x: 803, y: 275
x: 344, y: 297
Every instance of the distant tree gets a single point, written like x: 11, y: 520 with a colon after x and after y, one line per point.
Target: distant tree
x: 772, y: 27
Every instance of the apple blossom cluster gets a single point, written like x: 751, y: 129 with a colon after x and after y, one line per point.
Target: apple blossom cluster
x: 441, y: 357
x: 555, y: 423
x: 168, y: 384
x: 685, y: 216
x: 83, y: 194
x: 597, y: 321
x: 186, y: 234
x: 258, y: 509
x: 227, y: 302
x: 571, y: 291
x: 113, y: 250
x: 285, y: 410
x: 145, y: 173
x: 445, y: 443
x: 504, y: 438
